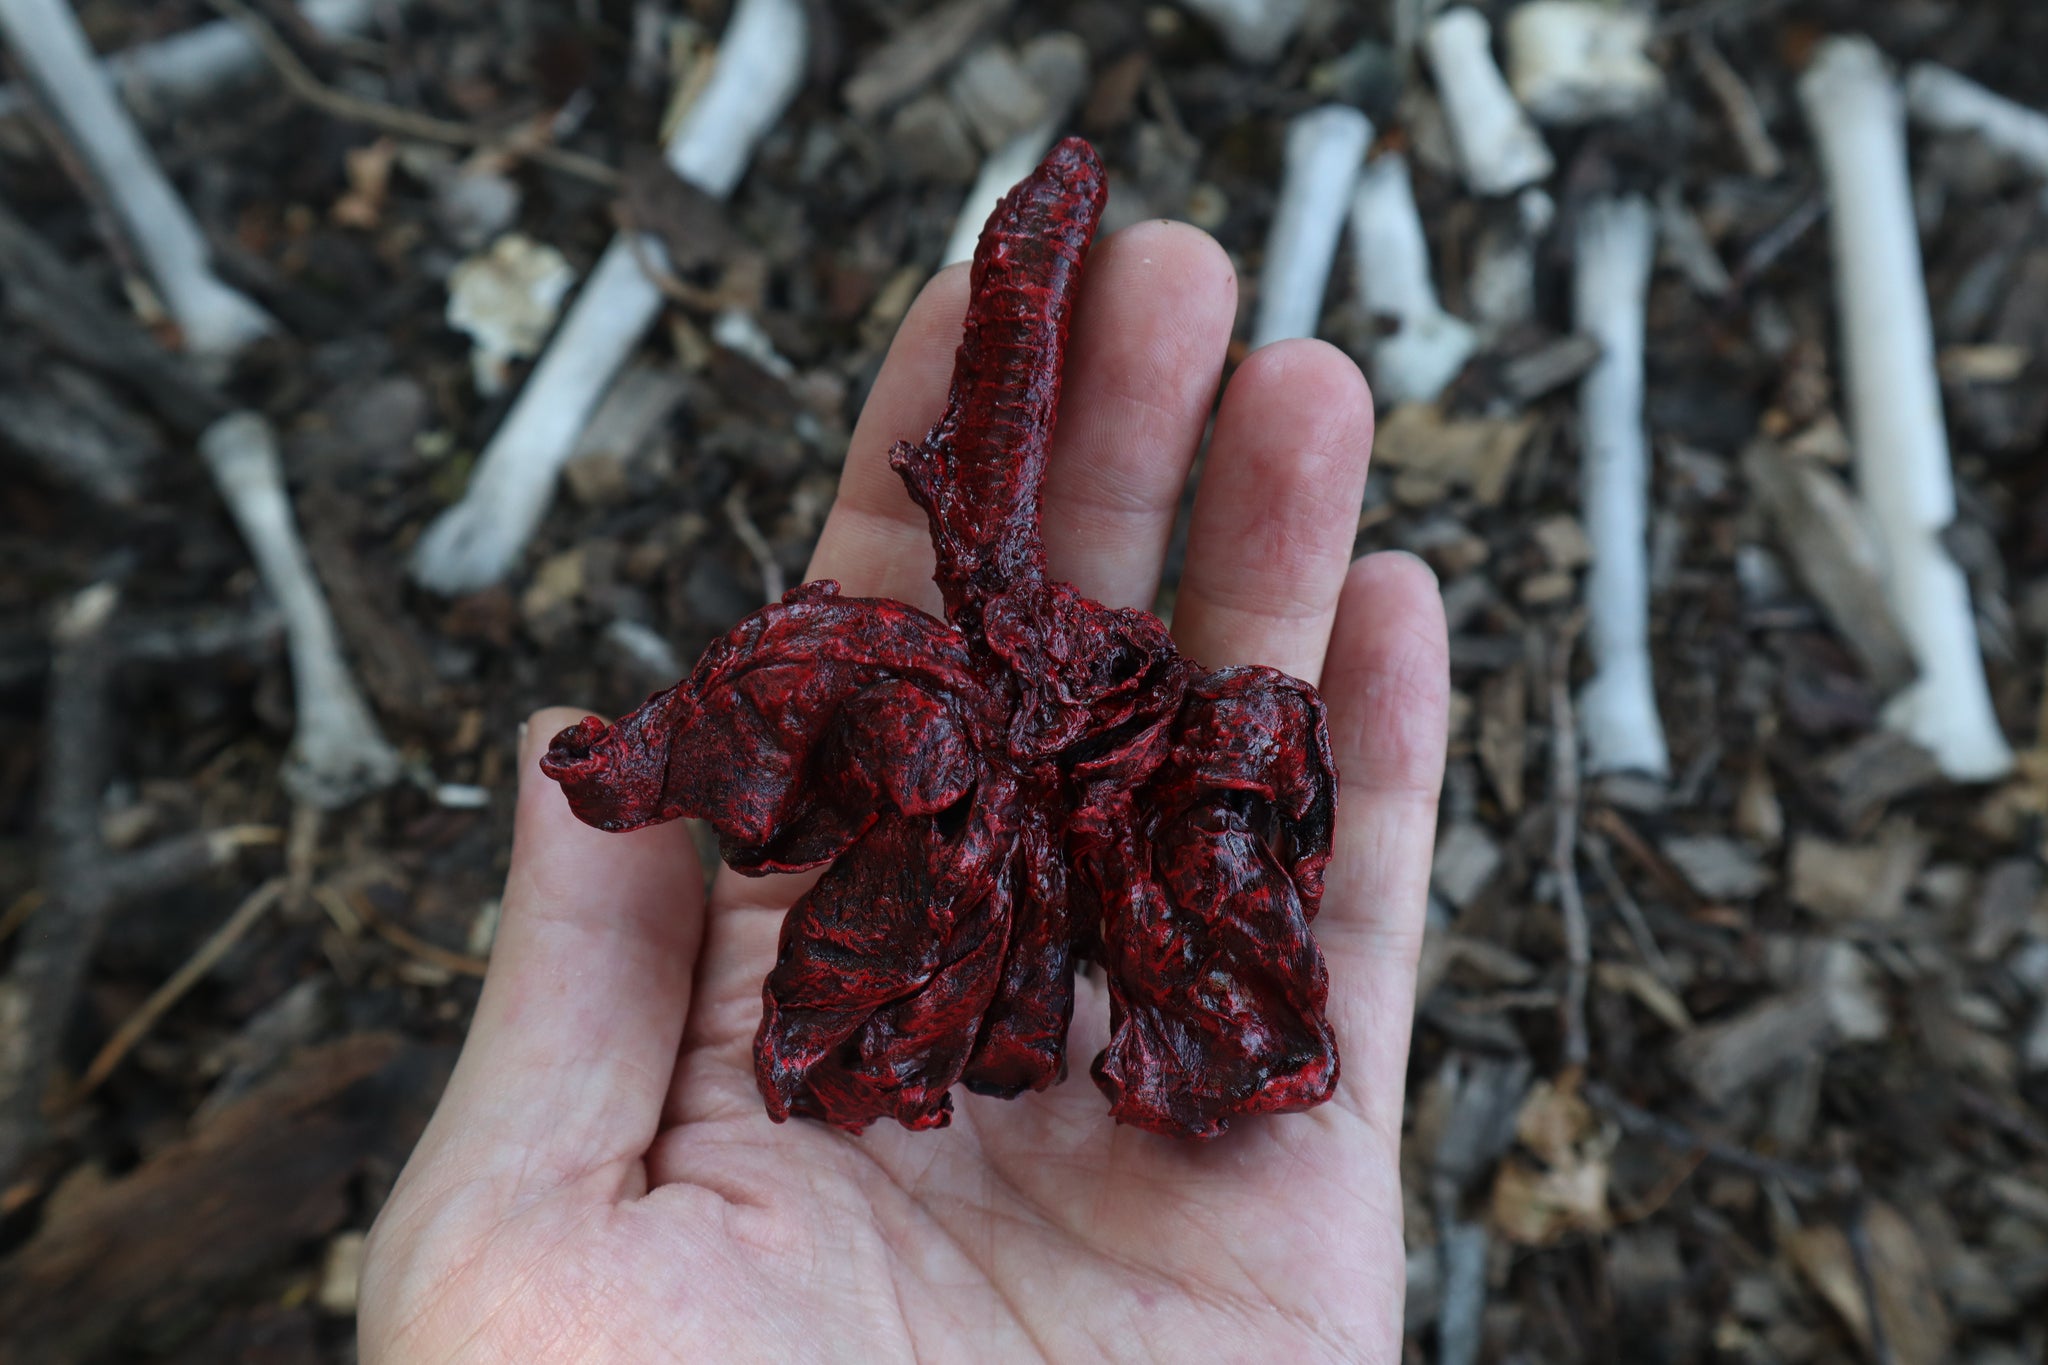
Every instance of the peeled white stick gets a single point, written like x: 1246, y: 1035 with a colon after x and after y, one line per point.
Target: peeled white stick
x: 1940, y: 99
x: 1895, y: 418
x: 476, y: 542
x: 1498, y: 147
x: 1575, y: 61
x: 1325, y: 149
x: 1058, y: 62
x: 1390, y: 256
x: 216, y: 319
x: 337, y: 752
x: 1615, y: 249
x: 191, y: 64
x: 1255, y: 31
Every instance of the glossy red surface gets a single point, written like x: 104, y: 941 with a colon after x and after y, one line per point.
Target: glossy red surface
x: 1034, y: 781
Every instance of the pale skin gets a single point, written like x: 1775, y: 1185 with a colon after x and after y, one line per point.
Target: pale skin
x: 600, y: 1182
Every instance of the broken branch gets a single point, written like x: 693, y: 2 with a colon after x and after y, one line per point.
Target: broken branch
x: 1325, y: 149
x: 1618, y: 708
x: 217, y: 320
x: 475, y: 543
x: 1901, y: 443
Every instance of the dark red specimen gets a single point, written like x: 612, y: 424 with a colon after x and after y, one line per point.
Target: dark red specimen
x: 1034, y: 781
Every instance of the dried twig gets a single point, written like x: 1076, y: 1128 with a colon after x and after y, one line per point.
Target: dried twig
x: 1610, y: 822
x: 398, y: 936
x: 1799, y: 1181
x: 1767, y: 250
x: 756, y: 544
x: 1857, y: 1233
x: 47, y: 296
x: 136, y: 1026
x: 82, y: 882
x: 1595, y: 849
x: 1738, y: 106
x: 300, y: 80
x: 1564, y: 841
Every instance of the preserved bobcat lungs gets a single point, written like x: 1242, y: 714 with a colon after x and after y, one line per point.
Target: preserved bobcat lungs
x: 1036, y: 780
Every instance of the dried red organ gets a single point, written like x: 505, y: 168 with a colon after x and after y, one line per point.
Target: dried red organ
x: 1035, y: 781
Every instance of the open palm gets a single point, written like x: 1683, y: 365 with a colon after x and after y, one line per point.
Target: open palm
x: 600, y: 1182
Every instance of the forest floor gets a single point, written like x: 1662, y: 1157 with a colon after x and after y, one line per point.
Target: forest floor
x: 1816, y: 1093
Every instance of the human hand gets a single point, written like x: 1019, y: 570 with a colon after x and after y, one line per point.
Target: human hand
x: 600, y: 1182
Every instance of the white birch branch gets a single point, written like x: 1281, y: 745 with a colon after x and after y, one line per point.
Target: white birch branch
x: 337, y: 752
x: 216, y: 319
x: 1498, y: 147
x: 1255, y: 31
x: 1940, y: 99
x: 1390, y: 255
x: 190, y: 65
x: 1615, y: 249
x: 1325, y: 149
x: 476, y: 542
x: 1895, y: 415
x: 1575, y: 61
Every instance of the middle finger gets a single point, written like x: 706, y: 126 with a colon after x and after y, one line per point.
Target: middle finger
x: 1149, y: 334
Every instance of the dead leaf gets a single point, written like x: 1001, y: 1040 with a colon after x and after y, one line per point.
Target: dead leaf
x: 1626, y: 978
x: 1420, y: 443
x: 1504, y: 734
x: 1909, y: 1307
x: 1564, y: 1192
x: 1866, y: 883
